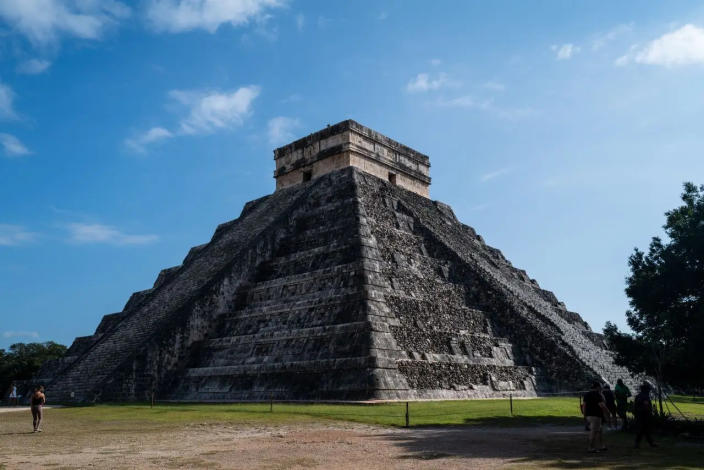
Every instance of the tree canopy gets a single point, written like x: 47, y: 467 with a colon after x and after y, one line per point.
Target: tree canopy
x: 666, y: 294
x: 22, y: 360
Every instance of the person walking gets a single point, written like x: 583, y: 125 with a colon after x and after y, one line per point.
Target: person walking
x: 610, y: 404
x: 13, y: 394
x: 37, y: 402
x: 643, y: 411
x: 594, y: 410
x: 622, y: 393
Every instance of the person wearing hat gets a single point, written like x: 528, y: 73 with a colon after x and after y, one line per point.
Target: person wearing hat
x: 643, y: 411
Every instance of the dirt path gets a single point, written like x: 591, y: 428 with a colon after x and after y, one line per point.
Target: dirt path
x: 322, y: 445
x: 72, y: 443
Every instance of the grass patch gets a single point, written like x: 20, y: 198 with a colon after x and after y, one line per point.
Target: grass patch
x: 559, y: 410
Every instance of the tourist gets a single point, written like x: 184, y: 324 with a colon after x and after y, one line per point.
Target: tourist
x: 643, y: 411
x: 595, y: 410
x: 13, y: 394
x: 37, y: 402
x: 610, y: 404
x: 622, y: 393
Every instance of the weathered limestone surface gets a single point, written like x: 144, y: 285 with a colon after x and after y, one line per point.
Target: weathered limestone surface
x: 349, y: 143
x: 345, y: 287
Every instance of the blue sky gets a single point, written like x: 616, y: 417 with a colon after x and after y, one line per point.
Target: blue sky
x: 561, y: 131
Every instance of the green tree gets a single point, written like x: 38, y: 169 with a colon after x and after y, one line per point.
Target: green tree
x: 23, y: 360
x: 666, y: 294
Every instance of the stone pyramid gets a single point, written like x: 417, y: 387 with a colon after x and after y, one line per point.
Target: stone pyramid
x: 346, y: 283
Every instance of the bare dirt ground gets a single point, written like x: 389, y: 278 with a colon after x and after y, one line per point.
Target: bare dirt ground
x: 324, y: 444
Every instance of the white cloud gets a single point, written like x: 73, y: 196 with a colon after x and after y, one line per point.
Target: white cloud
x: 33, y: 66
x: 176, y: 16
x: 153, y: 135
x: 470, y: 102
x: 206, y: 112
x: 424, y: 82
x: 12, y: 235
x: 210, y: 111
x: 495, y: 174
x: 84, y: 233
x: 12, y: 147
x: 494, y: 86
x: 684, y: 46
x: 435, y: 62
x: 293, y: 98
x: 7, y: 96
x: 382, y: 16
x: 565, y: 51
x: 300, y: 21
x: 20, y: 334
x: 280, y: 130
x: 42, y: 21
x: 466, y: 101
x: 602, y: 39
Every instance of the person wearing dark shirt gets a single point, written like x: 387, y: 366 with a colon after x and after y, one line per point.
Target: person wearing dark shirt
x: 610, y: 400
x: 595, y: 410
x: 643, y: 411
x: 622, y: 393
x: 37, y: 402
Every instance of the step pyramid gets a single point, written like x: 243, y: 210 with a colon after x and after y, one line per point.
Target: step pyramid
x: 338, y: 286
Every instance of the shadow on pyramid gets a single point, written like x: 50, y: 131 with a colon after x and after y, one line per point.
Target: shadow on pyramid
x: 347, y: 283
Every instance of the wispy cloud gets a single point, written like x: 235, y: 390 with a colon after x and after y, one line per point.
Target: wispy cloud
x: 210, y: 111
x: 86, y: 233
x: 7, y: 98
x: 140, y: 142
x: 494, y: 86
x: 44, y: 21
x: 495, y: 174
x: 293, y: 98
x: 565, y: 51
x: 33, y: 66
x: 487, y: 105
x: 20, y: 334
x: 382, y: 16
x: 177, y: 16
x: 424, y: 82
x: 280, y: 130
x: 12, y: 147
x: 206, y: 112
x: 602, y: 39
x: 300, y: 21
x: 684, y: 46
x: 13, y: 235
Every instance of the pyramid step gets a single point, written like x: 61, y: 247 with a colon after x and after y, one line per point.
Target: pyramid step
x: 321, y: 365
x: 264, y: 310
x: 279, y: 335
x: 336, y: 314
x: 301, y: 262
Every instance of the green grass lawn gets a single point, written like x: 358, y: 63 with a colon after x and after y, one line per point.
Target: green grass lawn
x: 554, y: 410
x: 543, y: 410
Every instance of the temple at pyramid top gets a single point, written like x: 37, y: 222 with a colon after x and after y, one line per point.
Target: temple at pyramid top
x: 349, y: 143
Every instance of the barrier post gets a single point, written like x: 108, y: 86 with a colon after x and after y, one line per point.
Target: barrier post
x: 408, y: 420
x: 152, y: 399
x: 271, y: 403
x: 510, y: 400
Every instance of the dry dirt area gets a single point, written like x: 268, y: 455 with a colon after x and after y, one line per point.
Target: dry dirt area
x: 323, y: 444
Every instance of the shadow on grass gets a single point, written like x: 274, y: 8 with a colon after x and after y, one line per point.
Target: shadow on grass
x: 546, y: 442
